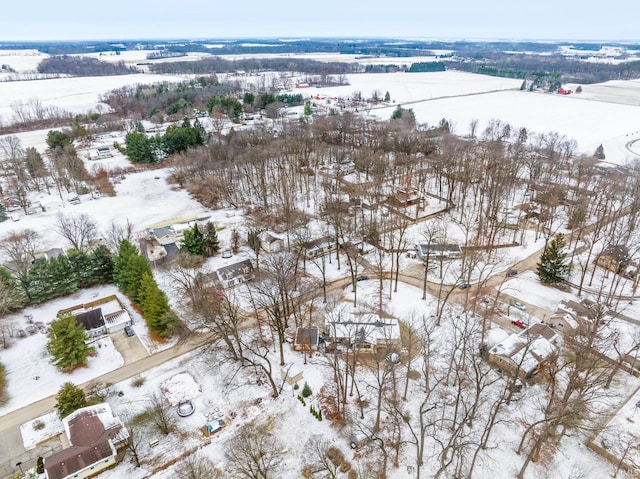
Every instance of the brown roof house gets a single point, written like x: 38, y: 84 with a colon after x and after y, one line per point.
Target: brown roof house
x: 571, y: 314
x: 616, y: 258
x: 525, y: 352
x: 95, y: 438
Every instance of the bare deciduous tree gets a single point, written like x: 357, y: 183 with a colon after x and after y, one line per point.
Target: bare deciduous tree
x: 161, y: 413
x: 79, y: 230
x: 197, y: 466
x: 254, y: 453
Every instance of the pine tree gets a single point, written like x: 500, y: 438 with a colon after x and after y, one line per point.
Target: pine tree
x: 69, y: 398
x: 193, y: 241
x: 101, y: 265
x: 120, y: 274
x: 255, y: 243
x: 155, y: 307
x: 11, y: 296
x: 600, y: 153
x: 128, y: 268
x: 552, y: 267
x: 211, y: 243
x: 67, y: 343
x: 3, y: 213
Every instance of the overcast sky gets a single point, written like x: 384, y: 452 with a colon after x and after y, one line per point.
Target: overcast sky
x: 26, y: 20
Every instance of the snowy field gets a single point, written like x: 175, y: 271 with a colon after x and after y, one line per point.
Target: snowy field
x: 75, y: 95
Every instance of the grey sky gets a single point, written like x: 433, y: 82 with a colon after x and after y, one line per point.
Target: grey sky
x: 488, y: 19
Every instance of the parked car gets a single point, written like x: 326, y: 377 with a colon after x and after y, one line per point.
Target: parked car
x: 517, y: 322
x: 227, y: 253
x: 512, y: 272
x: 463, y: 285
x: 518, y: 305
x: 128, y: 331
x: 186, y: 408
x: 362, y: 278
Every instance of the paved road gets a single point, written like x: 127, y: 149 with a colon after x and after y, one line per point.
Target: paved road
x: 41, y: 407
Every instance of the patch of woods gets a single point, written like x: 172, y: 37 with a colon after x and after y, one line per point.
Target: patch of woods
x: 57, y: 175
x: 567, y: 70
x: 81, y: 66
x: 257, y: 65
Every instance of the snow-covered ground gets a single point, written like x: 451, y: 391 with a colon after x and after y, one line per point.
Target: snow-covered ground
x: 31, y: 375
x: 75, y: 95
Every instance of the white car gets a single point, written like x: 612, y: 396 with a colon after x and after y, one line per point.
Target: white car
x: 518, y: 305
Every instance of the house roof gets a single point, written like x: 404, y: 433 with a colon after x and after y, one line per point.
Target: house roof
x: 92, y: 432
x: 234, y: 270
x: 528, y: 348
x: 319, y: 243
x: 267, y: 237
x: 438, y: 249
x: 618, y: 253
x: 307, y: 336
x: 92, y: 319
x: 365, y: 328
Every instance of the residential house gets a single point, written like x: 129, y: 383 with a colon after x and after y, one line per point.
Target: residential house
x: 570, y: 314
x: 236, y: 273
x: 616, y: 258
x: 439, y: 251
x: 525, y: 352
x: 105, y: 315
x: 97, y: 439
x: 319, y: 247
x: 307, y: 339
x: 103, y: 152
x: 270, y: 242
x: 364, y: 332
x: 406, y: 197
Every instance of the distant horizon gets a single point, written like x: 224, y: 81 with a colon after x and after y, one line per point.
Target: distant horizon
x: 284, y: 39
x: 546, y: 20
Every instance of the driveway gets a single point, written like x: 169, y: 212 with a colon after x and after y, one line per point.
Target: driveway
x: 131, y: 348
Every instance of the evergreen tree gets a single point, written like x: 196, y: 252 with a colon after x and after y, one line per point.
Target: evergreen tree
x: 3, y: 213
x: 120, y: 276
x: 67, y: 343
x: 211, y: 243
x: 193, y: 241
x: 139, y: 148
x: 600, y: 153
x: 69, y: 398
x: 11, y: 296
x: 387, y: 97
x: 553, y: 267
x: 101, y: 265
x: 128, y: 268
x: 155, y: 307
x: 255, y: 243
x: 137, y: 267
x: 80, y: 263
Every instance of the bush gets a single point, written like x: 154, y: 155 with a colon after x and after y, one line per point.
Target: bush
x: 353, y: 474
x: 40, y: 465
x: 306, y: 391
x: 38, y: 425
x: 70, y: 398
x: 4, y: 396
x: 335, y: 455
x: 137, y: 381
